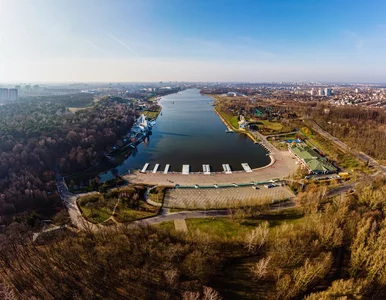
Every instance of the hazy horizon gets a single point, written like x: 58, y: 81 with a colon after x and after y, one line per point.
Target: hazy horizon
x: 220, y: 41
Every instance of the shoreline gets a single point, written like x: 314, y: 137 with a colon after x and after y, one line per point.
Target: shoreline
x: 226, y: 123
x: 230, y: 127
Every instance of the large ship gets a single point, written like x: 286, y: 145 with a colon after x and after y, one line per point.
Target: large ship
x: 139, y: 131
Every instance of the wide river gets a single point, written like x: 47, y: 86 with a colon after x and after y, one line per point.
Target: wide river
x: 190, y: 132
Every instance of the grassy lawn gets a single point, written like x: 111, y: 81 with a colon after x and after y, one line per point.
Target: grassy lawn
x: 267, y: 127
x: 152, y: 114
x: 221, y: 228
x: 96, y: 215
x: 275, y: 126
x: 232, y: 120
x: 168, y: 226
x: 228, y: 229
x: 128, y: 202
x: 124, y: 214
x: 289, y: 136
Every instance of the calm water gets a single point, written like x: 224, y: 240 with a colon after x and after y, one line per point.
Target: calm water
x: 190, y: 132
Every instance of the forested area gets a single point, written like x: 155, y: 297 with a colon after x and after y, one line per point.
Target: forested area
x: 335, y: 251
x: 129, y: 263
x: 39, y: 136
x: 362, y: 129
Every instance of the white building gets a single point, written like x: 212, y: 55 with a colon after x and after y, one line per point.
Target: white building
x: 312, y: 92
x: 320, y: 92
x: 3, y: 95
x: 327, y: 92
x: 12, y: 94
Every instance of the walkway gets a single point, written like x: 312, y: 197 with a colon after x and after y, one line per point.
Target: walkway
x: 69, y: 201
x: 196, y: 214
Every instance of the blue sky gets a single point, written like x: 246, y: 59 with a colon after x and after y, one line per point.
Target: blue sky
x: 152, y: 40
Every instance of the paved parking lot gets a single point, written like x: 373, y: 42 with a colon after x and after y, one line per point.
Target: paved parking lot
x: 224, y: 197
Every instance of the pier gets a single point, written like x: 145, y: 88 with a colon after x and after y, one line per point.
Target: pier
x: 227, y: 169
x: 167, y: 167
x: 145, y: 168
x: 246, y: 167
x: 206, y: 169
x: 185, y: 169
x: 155, y: 168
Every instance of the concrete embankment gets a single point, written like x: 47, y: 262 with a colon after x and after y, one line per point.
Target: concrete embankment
x: 229, y: 127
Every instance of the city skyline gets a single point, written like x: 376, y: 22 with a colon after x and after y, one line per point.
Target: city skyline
x: 143, y: 41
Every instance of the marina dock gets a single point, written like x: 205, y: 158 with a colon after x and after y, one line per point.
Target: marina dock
x: 206, y: 169
x: 246, y: 167
x: 167, y: 167
x: 227, y: 169
x: 185, y: 169
x: 155, y: 168
x: 145, y: 168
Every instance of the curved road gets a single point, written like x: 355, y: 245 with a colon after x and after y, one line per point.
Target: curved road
x: 77, y: 219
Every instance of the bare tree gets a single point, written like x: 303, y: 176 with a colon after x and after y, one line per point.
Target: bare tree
x: 171, y: 277
x: 257, y: 237
x: 210, y: 294
x: 259, y: 270
x: 191, y: 296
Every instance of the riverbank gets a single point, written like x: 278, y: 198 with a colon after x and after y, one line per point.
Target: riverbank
x: 230, y: 127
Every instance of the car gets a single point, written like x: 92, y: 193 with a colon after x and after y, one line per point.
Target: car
x: 268, y: 186
x: 255, y: 187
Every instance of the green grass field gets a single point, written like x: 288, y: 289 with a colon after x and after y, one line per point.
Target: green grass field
x: 235, y: 229
x: 127, y: 201
x: 152, y: 114
x: 267, y: 127
x: 274, y: 126
x: 124, y: 214
x: 232, y: 120
x: 96, y: 215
